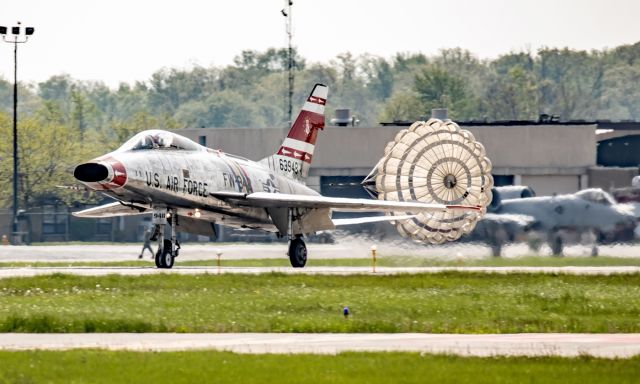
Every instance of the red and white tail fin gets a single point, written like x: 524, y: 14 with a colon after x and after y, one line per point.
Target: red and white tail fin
x: 293, y: 159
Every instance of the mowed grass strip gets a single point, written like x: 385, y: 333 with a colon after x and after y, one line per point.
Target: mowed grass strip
x: 383, y: 261
x: 95, y: 366
x: 442, y: 303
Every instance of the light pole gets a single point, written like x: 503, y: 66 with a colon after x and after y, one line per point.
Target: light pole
x: 17, y: 39
x: 286, y: 12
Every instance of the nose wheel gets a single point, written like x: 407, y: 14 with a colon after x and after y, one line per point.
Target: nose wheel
x: 297, y: 252
x: 164, y: 258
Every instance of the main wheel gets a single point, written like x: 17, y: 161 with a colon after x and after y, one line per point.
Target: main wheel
x: 555, y: 243
x: 297, y: 253
x: 165, y: 259
x: 158, y: 258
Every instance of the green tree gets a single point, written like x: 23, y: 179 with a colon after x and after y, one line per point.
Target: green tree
x: 169, y: 88
x: 437, y: 88
x: 504, y: 63
x: 378, y: 76
x: 117, y: 131
x: 78, y: 112
x: 621, y: 96
x: 350, y: 90
x: 222, y: 109
x: 272, y: 60
x: 569, y: 83
x: 28, y: 100
x: 6, y: 156
x: 513, y: 96
x: 404, y: 62
x: 48, y: 151
x: 403, y: 106
x: 57, y: 90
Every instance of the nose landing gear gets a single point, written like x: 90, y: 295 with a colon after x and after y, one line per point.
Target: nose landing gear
x: 164, y: 257
x: 168, y: 249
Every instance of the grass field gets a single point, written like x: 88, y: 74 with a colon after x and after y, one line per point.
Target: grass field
x: 385, y: 261
x: 221, y: 367
x: 445, y: 302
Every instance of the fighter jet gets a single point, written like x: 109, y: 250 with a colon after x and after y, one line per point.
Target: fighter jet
x: 590, y: 215
x: 188, y: 187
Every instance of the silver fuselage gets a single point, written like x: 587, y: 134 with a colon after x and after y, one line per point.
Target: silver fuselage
x: 183, y: 179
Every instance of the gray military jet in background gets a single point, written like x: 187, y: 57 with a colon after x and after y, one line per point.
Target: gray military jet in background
x: 590, y: 215
x: 188, y: 187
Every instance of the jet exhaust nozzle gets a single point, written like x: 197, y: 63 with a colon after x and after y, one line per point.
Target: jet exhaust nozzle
x: 91, y: 172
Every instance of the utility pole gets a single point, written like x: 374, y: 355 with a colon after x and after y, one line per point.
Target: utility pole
x: 15, y: 32
x: 286, y: 12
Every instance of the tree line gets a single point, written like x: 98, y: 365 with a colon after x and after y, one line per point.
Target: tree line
x: 64, y: 120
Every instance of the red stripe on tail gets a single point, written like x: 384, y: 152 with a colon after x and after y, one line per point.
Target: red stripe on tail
x: 306, y: 127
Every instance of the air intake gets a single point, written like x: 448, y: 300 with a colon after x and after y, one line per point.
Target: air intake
x: 91, y: 172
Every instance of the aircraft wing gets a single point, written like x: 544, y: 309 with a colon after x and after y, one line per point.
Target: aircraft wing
x: 283, y: 200
x: 111, y: 210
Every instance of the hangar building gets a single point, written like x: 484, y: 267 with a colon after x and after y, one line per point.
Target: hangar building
x: 551, y: 158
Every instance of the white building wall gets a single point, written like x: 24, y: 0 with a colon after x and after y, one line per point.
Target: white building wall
x: 545, y: 185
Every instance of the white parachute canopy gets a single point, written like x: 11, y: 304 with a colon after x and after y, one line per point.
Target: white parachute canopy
x: 436, y: 162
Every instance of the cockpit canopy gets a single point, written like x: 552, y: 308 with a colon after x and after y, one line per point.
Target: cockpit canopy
x: 161, y: 140
x: 596, y: 195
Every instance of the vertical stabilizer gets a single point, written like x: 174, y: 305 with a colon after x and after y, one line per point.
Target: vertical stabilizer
x: 294, y: 156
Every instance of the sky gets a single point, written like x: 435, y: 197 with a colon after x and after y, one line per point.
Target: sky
x: 126, y: 41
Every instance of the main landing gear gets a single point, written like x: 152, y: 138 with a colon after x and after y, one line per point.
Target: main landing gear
x: 297, y: 252
x: 297, y: 248
x: 168, y: 249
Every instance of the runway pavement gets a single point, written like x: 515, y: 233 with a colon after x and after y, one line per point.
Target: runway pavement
x: 381, y: 271
x: 547, y: 344
x: 345, y: 248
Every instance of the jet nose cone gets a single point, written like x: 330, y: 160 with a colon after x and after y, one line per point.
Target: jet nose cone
x: 102, y: 173
x: 91, y: 172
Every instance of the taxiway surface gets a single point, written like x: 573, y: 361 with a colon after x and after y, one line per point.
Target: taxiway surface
x: 547, y: 344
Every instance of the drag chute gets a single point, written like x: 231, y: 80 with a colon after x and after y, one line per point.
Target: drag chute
x: 435, y: 162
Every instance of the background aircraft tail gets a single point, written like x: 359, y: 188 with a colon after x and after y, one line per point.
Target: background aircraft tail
x: 294, y: 156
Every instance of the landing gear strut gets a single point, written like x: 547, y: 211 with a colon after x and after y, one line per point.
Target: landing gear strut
x: 167, y: 248
x: 297, y: 252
